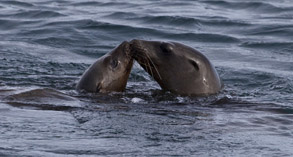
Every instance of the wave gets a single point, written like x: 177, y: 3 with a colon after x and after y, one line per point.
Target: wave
x: 88, y: 3
x: 104, y: 4
x: 170, y: 20
x: 266, y: 45
x: 179, y: 20
x: 43, y: 98
x: 54, y: 41
x: 143, y: 31
x: 121, y: 15
x: 275, y: 30
x: 249, y: 6
x: 37, y: 14
x: 16, y: 3
x: 212, y: 22
x: 118, y: 30
x: 120, y: 4
x: 204, y: 37
x: 89, y: 24
x: 188, y: 21
x: 9, y: 24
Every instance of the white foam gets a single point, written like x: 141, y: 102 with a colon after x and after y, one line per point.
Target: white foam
x: 136, y: 100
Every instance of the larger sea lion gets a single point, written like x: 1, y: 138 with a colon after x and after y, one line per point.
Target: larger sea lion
x: 109, y: 73
x: 177, y: 67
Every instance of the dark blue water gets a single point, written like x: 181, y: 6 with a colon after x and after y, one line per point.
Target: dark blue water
x: 45, y: 46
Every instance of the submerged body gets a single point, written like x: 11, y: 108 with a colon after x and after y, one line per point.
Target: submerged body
x: 109, y: 73
x: 177, y: 67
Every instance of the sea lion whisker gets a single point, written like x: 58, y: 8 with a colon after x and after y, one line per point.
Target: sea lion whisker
x: 154, y: 66
x: 149, y: 67
x: 144, y: 61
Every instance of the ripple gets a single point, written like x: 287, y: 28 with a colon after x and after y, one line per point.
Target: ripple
x: 204, y: 37
x: 10, y: 24
x: 249, y: 6
x: 275, y: 30
x: 121, y: 15
x: 64, y: 23
x: 56, y: 41
x: 104, y: 4
x: 88, y: 3
x: 17, y: 3
x: 92, y: 25
x: 224, y: 23
x: 37, y: 14
x: 46, y: 99
x: 170, y: 20
x: 120, y: 4
x: 118, y: 29
x: 266, y: 45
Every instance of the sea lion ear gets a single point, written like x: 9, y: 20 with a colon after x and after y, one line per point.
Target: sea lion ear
x: 194, y: 64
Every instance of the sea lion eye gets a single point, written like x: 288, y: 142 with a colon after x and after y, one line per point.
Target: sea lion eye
x: 114, y: 63
x: 166, y: 48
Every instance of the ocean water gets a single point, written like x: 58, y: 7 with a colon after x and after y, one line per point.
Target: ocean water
x: 46, y: 45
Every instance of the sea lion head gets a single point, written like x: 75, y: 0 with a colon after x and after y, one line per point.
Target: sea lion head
x: 176, y: 67
x: 109, y: 73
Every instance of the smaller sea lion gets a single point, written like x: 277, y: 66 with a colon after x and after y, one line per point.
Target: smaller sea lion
x: 109, y: 73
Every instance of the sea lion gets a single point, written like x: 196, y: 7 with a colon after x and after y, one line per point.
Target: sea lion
x: 176, y: 67
x: 109, y: 73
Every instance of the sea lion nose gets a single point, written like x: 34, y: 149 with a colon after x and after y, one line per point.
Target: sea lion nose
x: 125, y: 43
x: 134, y: 41
x: 134, y: 44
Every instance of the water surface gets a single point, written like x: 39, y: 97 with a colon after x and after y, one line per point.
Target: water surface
x: 45, y: 46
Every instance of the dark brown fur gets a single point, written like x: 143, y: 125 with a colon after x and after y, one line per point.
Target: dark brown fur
x: 177, y: 67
